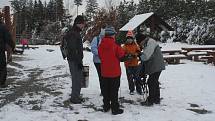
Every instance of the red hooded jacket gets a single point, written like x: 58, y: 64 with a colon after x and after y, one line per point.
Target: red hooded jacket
x: 110, y: 54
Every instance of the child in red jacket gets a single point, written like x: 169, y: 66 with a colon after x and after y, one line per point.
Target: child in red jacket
x: 110, y: 54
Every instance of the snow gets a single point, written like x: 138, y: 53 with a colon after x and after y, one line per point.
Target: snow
x: 181, y: 85
x: 136, y: 21
x: 171, y: 56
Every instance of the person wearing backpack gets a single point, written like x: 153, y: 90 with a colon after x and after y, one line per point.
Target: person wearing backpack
x: 97, y: 62
x: 152, y: 58
x: 74, y: 56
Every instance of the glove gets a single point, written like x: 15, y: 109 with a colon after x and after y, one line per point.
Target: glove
x: 130, y: 56
x: 127, y: 57
x: 142, y: 57
x: 80, y: 65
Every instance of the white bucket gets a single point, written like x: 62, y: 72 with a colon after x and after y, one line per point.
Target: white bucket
x: 85, y: 82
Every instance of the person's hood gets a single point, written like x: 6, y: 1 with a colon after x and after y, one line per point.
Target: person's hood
x: 107, y: 43
x: 102, y: 33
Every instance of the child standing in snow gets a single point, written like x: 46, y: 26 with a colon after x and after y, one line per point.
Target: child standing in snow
x: 110, y: 54
x: 132, y: 67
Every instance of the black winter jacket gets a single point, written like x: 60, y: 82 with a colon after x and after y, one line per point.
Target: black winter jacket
x: 74, y: 44
x: 5, y: 38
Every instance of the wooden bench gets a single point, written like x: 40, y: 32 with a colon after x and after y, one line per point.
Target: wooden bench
x: 212, y: 53
x: 174, y: 59
x: 171, y: 52
x: 18, y: 51
x: 194, y: 52
x: 207, y: 59
x: 195, y: 48
x: 30, y: 47
x: 194, y: 55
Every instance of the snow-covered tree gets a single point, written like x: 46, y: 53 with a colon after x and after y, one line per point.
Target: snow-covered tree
x: 91, y: 9
x: 78, y: 3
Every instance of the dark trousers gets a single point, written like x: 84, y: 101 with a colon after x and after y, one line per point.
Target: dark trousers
x: 154, y: 89
x: 98, y: 68
x: 3, y: 68
x: 110, y: 92
x: 77, y: 77
x: 134, y: 79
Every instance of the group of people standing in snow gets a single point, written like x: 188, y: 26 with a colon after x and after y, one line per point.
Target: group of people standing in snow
x: 139, y: 52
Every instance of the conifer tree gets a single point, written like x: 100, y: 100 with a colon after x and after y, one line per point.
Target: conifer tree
x: 19, y: 7
x: 41, y: 11
x: 78, y: 3
x: 91, y: 9
x: 29, y: 15
x: 51, y: 10
x: 60, y: 9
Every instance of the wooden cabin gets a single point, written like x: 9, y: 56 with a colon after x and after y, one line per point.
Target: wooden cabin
x: 147, y: 20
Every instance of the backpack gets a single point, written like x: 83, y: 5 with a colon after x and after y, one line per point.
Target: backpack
x: 97, y: 38
x: 63, y: 45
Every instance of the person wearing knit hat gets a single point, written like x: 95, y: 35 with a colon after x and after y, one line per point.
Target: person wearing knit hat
x: 74, y: 48
x: 140, y: 37
x: 110, y: 31
x: 110, y: 55
x: 132, y: 66
x: 129, y: 37
x: 130, y: 34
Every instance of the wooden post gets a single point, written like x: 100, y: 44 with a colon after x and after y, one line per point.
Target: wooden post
x: 152, y: 28
x: 14, y: 29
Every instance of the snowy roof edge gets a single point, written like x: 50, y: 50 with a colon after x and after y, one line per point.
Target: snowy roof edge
x: 136, y: 21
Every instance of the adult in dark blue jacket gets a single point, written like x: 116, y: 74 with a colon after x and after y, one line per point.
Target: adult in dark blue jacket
x: 5, y: 39
x: 75, y: 55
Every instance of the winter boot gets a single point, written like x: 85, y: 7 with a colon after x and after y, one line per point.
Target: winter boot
x: 117, y: 111
x: 3, y: 85
x: 106, y: 108
x: 131, y: 93
x: 147, y: 103
x: 75, y: 100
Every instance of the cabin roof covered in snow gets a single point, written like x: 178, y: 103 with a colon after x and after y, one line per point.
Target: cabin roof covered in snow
x: 137, y: 20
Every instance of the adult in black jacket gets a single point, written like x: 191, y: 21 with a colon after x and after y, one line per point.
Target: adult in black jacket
x: 5, y: 39
x: 75, y: 55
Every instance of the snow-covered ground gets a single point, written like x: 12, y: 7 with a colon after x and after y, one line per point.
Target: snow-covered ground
x: 39, y: 89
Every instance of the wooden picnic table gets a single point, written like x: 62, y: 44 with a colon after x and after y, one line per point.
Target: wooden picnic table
x: 212, y: 53
x: 32, y: 47
x: 174, y: 59
x: 173, y: 56
x: 171, y: 52
x: 194, y: 55
x: 195, y: 52
x: 204, y: 47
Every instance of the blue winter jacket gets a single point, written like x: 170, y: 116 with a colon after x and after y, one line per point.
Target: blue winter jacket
x: 94, y: 48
